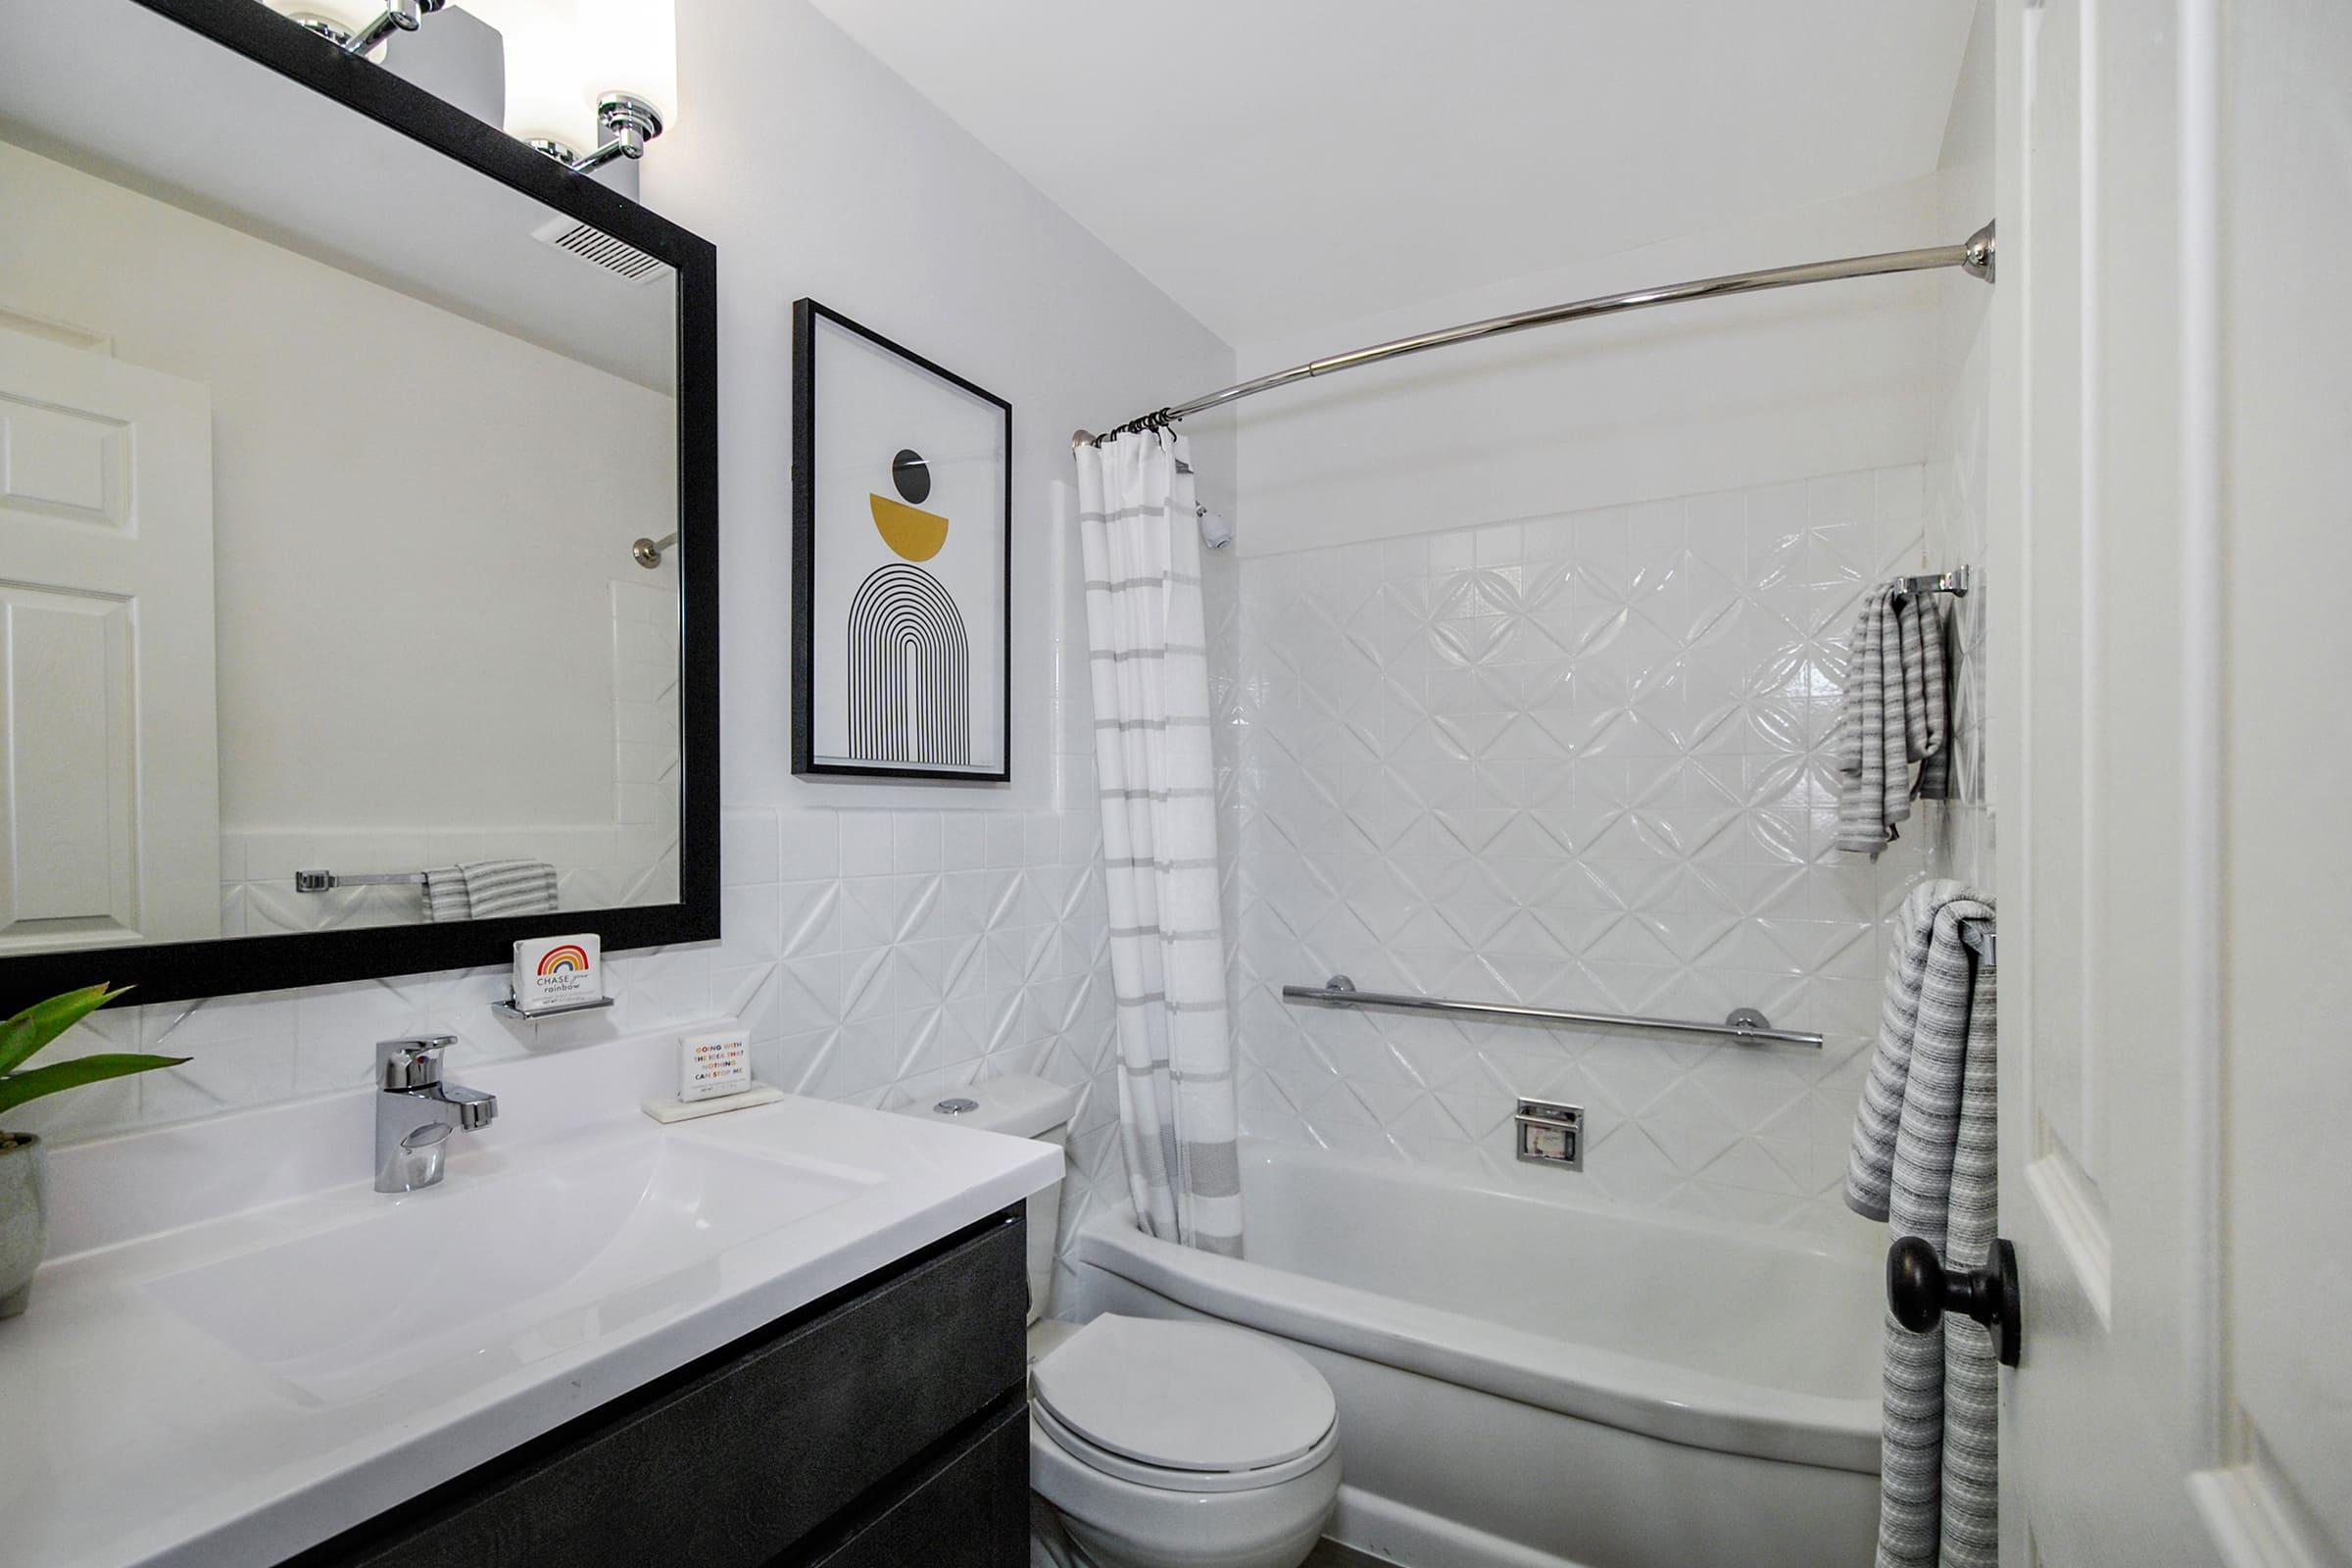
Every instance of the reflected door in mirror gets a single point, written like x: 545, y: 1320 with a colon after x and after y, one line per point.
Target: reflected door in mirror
x: 109, y: 789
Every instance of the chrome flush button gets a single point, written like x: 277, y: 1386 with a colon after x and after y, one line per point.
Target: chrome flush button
x: 958, y: 1106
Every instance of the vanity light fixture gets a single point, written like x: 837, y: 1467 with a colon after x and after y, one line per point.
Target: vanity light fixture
x: 593, y: 74
x: 624, y: 124
x: 629, y: 68
x: 358, y: 29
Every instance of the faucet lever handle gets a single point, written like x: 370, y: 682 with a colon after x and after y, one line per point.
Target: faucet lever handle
x: 413, y: 1061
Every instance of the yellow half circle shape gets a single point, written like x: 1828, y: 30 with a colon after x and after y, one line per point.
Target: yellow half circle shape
x: 912, y: 532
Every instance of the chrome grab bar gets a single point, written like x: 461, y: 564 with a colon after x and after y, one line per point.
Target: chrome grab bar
x: 1743, y: 1023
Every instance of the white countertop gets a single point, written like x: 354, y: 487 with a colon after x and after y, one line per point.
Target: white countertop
x: 137, y: 1431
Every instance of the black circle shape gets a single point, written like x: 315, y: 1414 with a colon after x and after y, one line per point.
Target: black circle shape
x: 913, y: 476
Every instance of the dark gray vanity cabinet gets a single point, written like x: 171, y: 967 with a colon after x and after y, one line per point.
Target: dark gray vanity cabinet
x: 883, y: 1425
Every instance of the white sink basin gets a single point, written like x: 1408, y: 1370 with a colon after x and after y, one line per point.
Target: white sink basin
x: 488, y: 1272
x: 237, y: 1350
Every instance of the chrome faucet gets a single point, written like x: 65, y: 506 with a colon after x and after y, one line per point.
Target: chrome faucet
x: 416, y: 1111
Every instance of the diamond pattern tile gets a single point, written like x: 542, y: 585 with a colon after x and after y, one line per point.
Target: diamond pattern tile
x: 1579, y: 760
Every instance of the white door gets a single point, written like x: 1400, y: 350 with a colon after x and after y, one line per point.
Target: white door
x: 110, y: 819
x: 2279, y: 1485
x: 2173, y: 501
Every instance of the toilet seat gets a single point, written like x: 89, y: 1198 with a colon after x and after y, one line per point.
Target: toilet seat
x: 1103, y: 1462
x: 1184, y: 1406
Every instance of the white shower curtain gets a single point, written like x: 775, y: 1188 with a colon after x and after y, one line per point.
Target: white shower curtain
x: 1157, y: 785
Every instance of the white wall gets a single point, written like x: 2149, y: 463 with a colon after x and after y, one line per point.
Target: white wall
x: 1709, y: 396
x: 881, y: 941
x: 819, y: 173
x: 385, y: 472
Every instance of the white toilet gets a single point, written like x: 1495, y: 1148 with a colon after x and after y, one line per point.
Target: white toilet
x: 1161, y: 1445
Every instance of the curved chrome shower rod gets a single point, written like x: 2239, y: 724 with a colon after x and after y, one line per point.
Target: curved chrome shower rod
x: 1972, y: 255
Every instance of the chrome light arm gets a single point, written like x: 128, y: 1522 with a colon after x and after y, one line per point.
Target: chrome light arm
x: 626, y: 123
x: 398, y: 15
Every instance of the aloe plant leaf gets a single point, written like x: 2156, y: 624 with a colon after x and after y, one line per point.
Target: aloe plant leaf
x: 17, y: 1088
x: 28, y: 1031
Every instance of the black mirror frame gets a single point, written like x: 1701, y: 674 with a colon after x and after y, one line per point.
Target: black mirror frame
x: 168, y: 971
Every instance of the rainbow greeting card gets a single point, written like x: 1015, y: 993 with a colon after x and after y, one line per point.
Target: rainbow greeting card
x: 558, y: 973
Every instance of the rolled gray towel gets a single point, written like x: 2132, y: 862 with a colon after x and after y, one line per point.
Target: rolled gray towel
x: 495, y: 887
x: 445, y: 897
x: 1894, y: 712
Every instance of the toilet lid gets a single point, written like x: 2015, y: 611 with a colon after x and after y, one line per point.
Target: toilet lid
x: 1185, y: 1395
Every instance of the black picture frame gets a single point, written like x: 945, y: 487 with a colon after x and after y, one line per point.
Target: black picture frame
x: 170, y: 971
x: 806, y: 410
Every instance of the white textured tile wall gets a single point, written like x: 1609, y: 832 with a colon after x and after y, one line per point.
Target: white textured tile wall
x: 878, y: 956
x: 887, y: 958
x: 1576, y: 760
x: 881, y: 955
x: 1958, y: 532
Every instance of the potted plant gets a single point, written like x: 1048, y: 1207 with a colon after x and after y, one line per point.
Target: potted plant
x: 24, y: 1222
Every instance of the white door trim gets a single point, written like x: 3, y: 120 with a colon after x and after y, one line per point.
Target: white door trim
x: 2201, y: 739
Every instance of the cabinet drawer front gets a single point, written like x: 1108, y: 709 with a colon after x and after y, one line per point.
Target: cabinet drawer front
x: 738, y: 1457
x: 969, y: 1508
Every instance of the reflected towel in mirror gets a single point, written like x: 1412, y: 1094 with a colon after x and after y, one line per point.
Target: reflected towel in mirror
x: 484, y: 890
x: 445, y: 896
x: 509, y: 887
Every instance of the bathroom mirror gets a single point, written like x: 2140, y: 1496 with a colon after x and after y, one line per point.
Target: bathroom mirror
x: 334, y: 422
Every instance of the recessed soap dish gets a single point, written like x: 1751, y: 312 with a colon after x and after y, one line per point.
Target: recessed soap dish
x: 1551, y: 1132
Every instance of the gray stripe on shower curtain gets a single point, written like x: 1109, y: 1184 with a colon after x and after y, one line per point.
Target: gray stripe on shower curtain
x: 1922, y: 1161
x: 1156, y: 782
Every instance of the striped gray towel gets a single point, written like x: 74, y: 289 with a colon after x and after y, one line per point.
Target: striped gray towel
x: 1922, y: 1161
x: 1893, y: 713
x: 445, y: 896
x: 495, y: 887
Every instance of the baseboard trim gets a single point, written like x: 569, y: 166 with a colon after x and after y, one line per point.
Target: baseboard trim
x: 1391, y: 1532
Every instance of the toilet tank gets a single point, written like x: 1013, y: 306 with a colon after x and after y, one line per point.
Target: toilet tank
x: 1020, y: 1106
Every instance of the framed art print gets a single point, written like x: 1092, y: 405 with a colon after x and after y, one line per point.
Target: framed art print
x: 901, y: 560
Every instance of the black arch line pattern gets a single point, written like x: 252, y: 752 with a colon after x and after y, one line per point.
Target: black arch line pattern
x: 909, y: 670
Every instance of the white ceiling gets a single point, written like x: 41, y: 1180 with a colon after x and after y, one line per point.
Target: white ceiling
x: 1280, y: 165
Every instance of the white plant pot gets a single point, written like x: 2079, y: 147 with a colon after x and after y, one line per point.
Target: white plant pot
x: 23, y: 1223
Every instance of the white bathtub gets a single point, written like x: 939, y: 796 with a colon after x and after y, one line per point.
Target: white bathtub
x: 1528, y: 1379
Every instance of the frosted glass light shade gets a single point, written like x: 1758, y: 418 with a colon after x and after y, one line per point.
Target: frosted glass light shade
x: 348, y: 15
x: 545, y: 97
x: 632, y: 46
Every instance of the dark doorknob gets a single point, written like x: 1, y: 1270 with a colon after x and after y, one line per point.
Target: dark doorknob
x: 1920, y: 1289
